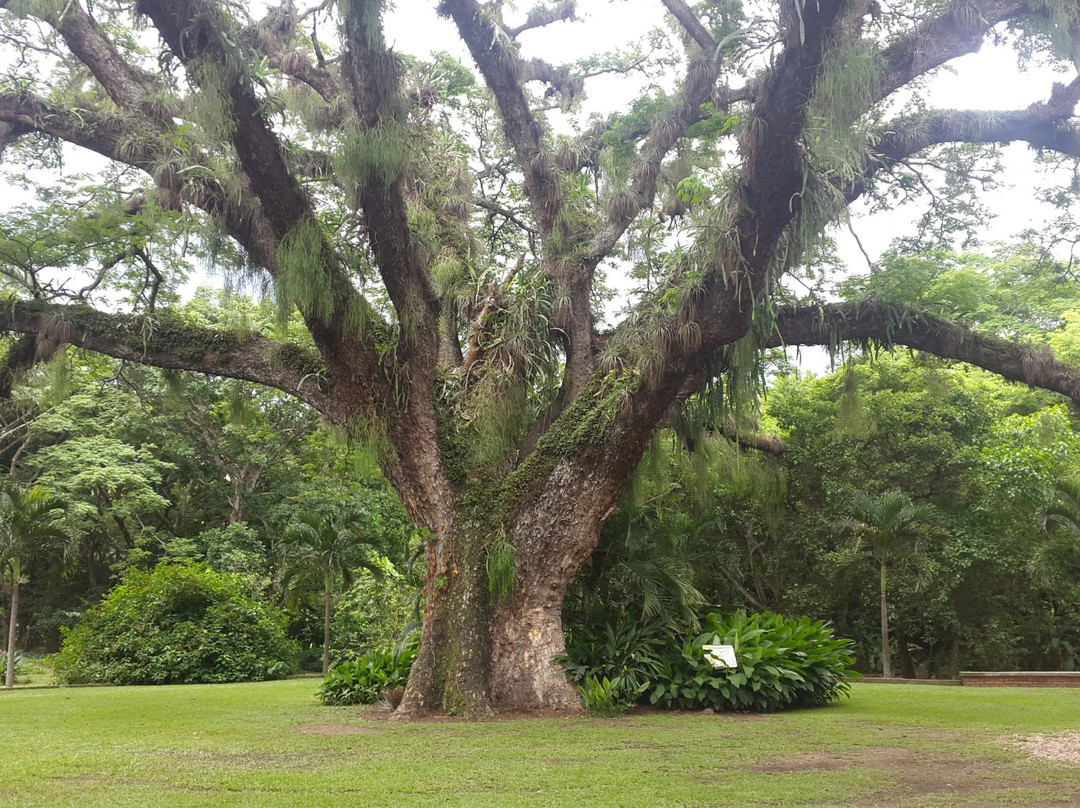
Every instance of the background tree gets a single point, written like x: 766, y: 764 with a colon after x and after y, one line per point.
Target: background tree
x: 320, y: 549
x: 31, y: 524
x: 888, y: 530
x: 445, y: 249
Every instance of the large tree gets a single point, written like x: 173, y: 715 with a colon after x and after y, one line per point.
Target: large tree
x: 447, y: 268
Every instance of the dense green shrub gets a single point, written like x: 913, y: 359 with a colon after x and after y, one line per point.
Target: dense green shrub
x: 626, y: 653
x: 366, y: 679
x: 177, y: 624
x: 781, y: 663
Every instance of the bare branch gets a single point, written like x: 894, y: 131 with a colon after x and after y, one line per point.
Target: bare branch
x: 689, y: 21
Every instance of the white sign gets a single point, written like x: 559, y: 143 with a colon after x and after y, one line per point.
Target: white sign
x: 720, y: 656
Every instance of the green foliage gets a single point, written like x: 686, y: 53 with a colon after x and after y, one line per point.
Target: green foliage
x: 625, y: 653
x: 366, y: 679
x: 501, y: 570
x: 602, y: 697
x: 17, y: 659
x: 177, y: 625
x: 377, y: 611
x: 782, y: 663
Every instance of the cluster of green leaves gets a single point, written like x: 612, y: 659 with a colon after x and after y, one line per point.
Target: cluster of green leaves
x: 178, y: 624
x: 602, y: 697
x: 368, y: 678
x: 782, y: 663
x: 626, y: 653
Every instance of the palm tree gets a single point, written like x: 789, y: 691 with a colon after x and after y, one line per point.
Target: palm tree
x: 1061, y: 521
x: 31, y: 523
x: 317, y: 549
x: 889, y: 530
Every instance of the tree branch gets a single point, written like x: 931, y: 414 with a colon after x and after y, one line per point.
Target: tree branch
x: 692, y: 25
x: 540, y: 16
x: 492, y: 50
x: 1031, y: 364
x: 961, y: 29
x: 167, y: 342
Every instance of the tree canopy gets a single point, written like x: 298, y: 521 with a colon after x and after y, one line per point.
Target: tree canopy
x: 438, y: 249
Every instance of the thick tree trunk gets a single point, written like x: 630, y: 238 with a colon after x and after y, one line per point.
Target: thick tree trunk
x: 886, y: 664
x: 452, y: 668
x: 480, y: 654
x: 13, y: 623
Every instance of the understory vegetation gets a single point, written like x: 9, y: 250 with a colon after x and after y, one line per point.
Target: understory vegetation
x: 781, y: 663
x: 178, y: 625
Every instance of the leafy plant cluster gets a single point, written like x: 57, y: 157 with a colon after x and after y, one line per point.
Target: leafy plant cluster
x: 368, y: 678
x: 178, y: 624
x: 782, y: 663
x: 17, y: 658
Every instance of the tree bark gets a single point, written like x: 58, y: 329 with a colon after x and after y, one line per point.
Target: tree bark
x: 452, y: 668
x: 13, y: 623
x: 886, y: 664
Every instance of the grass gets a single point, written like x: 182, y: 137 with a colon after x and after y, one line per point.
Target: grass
x: 270, y: 744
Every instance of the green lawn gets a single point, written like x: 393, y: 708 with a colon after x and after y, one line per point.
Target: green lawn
x: 271, y: 744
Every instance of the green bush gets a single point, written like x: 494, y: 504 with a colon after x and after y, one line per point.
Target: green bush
x: 782, y: 663
x: 177, y: 624
x: 17, y: 666
x: 602, y: 698
x: 367, y: 678
x: 627, y: 653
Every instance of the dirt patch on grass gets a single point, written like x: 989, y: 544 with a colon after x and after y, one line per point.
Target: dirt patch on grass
x: 908, y: 774
x: 1062, y: 746
x: 338, y: 729
x: 883, y: 757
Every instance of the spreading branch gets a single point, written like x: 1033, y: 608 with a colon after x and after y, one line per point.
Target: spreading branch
x: 831, y: 324
x: 169, y: 343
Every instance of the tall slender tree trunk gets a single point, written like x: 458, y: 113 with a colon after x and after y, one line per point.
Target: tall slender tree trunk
x: 886, y: 664
x: 327, y: 596
x: 13, y: 622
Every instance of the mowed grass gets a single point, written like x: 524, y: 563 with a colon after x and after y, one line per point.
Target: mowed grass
x: 271, y: 744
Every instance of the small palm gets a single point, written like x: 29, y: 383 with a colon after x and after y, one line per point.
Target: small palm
x: 31, y: 524
x: 890, y: 530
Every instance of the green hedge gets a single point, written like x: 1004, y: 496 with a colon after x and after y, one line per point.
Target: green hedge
x: 177, y: 624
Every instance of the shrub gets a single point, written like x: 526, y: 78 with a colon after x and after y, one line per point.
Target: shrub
x: 602, y: 697
x: 368, y: 678
x: 177, y: 624
x: 628, y: 654
x: 781, y: 663
x: 18, y: 663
